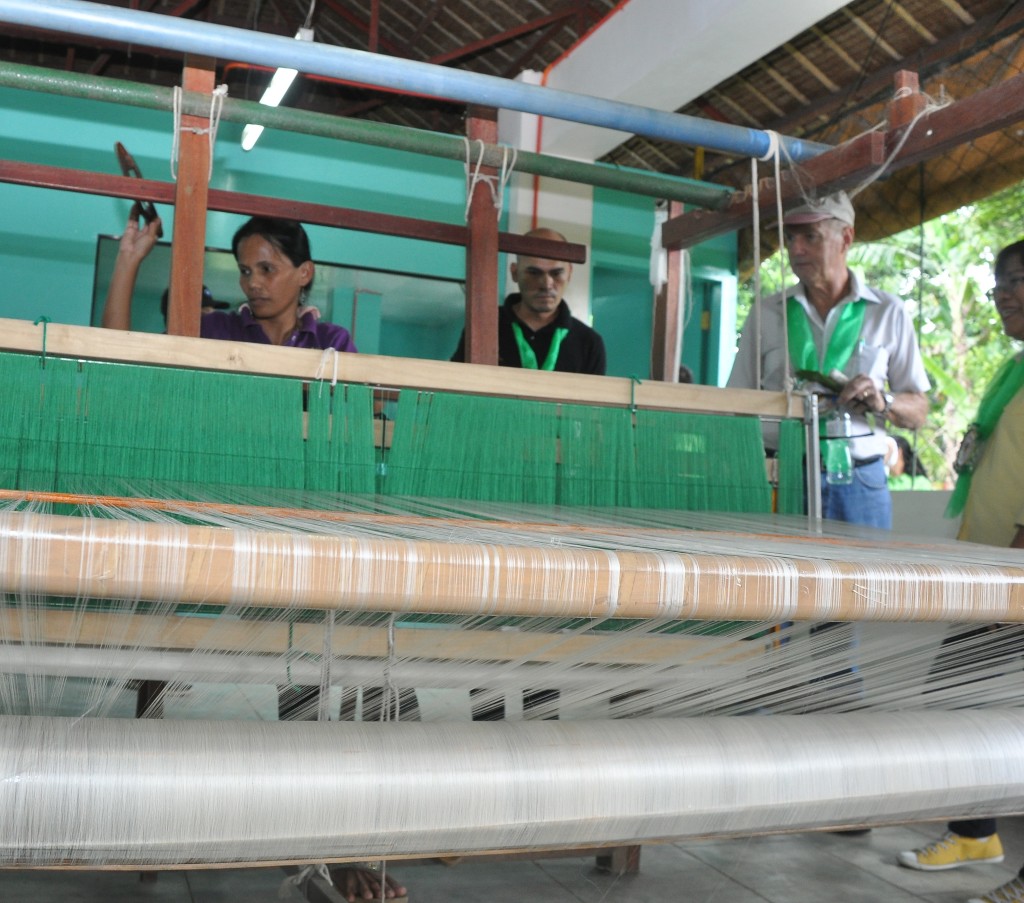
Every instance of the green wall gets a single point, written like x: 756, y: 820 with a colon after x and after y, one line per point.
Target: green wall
x: 49, y: 239
x: 622, y: 299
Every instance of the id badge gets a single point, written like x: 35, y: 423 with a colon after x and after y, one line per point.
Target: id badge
x: 969, y: 453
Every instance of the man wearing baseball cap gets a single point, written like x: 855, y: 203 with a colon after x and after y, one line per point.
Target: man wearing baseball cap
x: 831, y: 322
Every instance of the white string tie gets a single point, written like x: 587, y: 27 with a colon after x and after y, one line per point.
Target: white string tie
x: 296, y: 881
x: 216, y: 108
x: 325, y: 355
x: 773, y: 147
x: 496, y: 183
x: 930, y: 106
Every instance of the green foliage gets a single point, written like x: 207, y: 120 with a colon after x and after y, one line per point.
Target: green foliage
x: 943, y: 269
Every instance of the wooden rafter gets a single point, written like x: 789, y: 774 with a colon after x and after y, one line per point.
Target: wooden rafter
x: 783, y: 82
x: 957, y: 10
x: 748, y: 85
x: 874, y: 36
x: 503, y: 37
x: 835, y: 47
x: 802, y: 59
x: 936, y: 133
x: 741, y: 113
x: 918, y: 27
x: 952, y: 49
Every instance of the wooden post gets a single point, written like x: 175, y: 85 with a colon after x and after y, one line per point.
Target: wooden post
x: 665, y: 334
x: 482, y: 249
x: 909, y: 103
x: 190, y: 201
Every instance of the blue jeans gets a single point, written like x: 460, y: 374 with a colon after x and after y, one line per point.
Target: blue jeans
x: 864, y: 501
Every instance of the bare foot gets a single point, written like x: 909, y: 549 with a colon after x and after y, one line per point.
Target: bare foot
x: 357, y: 882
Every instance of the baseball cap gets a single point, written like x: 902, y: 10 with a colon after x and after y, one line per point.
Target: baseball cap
x: 208, y: 301
x: 832, y: 206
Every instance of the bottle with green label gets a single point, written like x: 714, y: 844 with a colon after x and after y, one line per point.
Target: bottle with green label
x: 837, y: 457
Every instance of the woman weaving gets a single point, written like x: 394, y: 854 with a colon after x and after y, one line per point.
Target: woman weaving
x: 276, y: 271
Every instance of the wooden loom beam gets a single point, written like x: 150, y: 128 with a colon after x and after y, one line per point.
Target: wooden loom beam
x: 104, y: 559
x: 89, y: 343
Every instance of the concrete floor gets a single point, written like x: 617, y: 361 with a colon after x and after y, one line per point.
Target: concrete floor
x: 801, y: 868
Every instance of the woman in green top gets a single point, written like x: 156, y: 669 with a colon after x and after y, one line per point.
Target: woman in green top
x: 906, y: 470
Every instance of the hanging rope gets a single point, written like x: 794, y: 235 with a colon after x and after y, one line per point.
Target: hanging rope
x: 930, y: 106
x: 773, y: 155
x: 216, y: 107
x: 497, y: 182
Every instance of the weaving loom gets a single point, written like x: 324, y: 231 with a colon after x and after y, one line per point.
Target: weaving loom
x: 620, y: 555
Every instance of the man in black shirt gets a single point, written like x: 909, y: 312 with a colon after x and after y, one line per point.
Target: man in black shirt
x: 536, y: 329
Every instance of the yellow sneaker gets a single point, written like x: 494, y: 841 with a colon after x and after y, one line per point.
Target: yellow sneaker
x: 1011, y: 892
x: 952, y: 851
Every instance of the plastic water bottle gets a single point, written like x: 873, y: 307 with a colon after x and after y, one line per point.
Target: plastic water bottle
x: 837, y: 456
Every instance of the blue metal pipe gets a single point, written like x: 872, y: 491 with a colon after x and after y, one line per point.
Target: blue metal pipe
x: 226, y: 43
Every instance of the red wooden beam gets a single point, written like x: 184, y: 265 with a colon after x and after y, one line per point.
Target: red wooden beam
x: 667, y: 322
x: 481, y: 343
x: 988, y: 111
x: 39, y: 176
x: 191, y: 189
x: 502, y: 37
x: 843, y: 167
x: 373, y: 37
x: 363, y: 25
x: 523, y: 60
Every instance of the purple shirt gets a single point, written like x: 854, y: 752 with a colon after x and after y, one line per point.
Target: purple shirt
x: 242, y: 326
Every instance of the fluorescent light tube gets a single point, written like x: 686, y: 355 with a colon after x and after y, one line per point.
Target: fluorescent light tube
x: 274, y: 93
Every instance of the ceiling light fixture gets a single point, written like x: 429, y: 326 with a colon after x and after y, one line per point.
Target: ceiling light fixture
x: 274, y: 94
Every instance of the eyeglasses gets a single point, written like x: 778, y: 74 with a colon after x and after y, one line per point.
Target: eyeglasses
x: 1008, y: 287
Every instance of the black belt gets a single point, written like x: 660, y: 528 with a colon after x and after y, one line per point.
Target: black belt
x: 861, y: 462
x: 864, y: 462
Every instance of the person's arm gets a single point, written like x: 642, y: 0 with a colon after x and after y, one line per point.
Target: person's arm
x: 908, y: 409
x: 135, y: 244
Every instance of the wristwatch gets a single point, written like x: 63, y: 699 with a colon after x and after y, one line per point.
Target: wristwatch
x: 888, y: 398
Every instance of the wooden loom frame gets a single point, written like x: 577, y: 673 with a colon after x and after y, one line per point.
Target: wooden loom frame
x: 67, y: 340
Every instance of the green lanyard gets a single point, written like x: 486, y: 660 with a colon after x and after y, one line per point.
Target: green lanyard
x: 1007, y: 382
x: 802, y: 350
x: 526, y: 356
